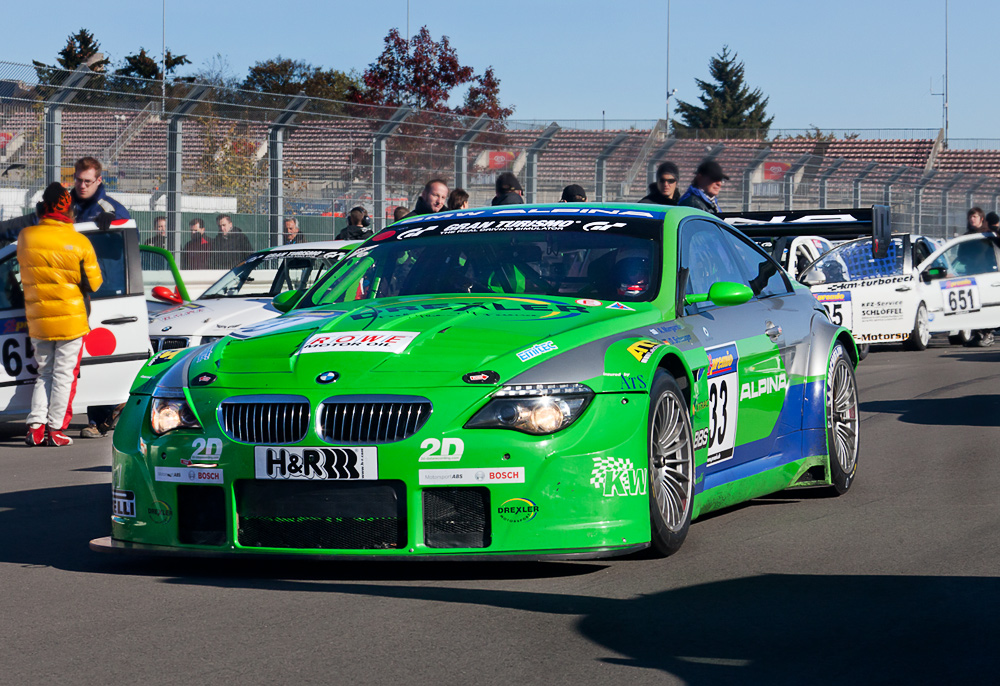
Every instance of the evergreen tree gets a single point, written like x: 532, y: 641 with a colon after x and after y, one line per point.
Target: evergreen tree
x: 80, y: 47
x: 145, y: 66
x: 728, y: 106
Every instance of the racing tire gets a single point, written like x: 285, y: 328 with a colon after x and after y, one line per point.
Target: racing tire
x: 671, y: 465
x: 863, y: 350
x: 920, y: 337
x: 963, y: 337
x: 842, y: 421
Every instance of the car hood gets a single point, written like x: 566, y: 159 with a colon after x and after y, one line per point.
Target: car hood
x: 417, y: 341
x: 212, y: 317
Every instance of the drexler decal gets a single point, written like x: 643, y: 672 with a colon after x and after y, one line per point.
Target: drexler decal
x: 643, y: 350
x: 516, y: 510
x: 160, y: 512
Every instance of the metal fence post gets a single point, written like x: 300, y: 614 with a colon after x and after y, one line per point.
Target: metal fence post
x: 53, y: 121
x: 887, y: 188
x: 276, y: 166
x: 969, y: 200
x: 748, y: 173
x: 789, y: 185
x: 379, y: 161
x: 175, y: 163
x: 533, y: 153
x: 945, y: 198
x: 462, y: 150
x: 859, y: 178
x: 600, y: 171
x: 918, y: 220
x: 824, y: 180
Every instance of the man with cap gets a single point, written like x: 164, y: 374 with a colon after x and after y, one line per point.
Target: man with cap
x: 509, y: 191
x: 993, y: 222
x: 59, y: 270
x: 573, y: 193
x: 432, y: 199
x: 664, y: 191
x: 705, y: 188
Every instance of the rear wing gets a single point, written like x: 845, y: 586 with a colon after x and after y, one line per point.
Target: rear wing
x: 844, y: 224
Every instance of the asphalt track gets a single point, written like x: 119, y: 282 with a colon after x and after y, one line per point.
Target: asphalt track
x: 895, y: 582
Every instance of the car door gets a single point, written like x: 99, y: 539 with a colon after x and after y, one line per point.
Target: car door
x: 744, y: 372
x: 961, y: 284
x: 16, y: 353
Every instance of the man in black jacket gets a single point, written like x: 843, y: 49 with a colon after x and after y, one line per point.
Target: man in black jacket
x: 432, y: 199
x: 357, y: 229
x: 230, y: 246
x: 664, y: 191
x: 509, y: 191
x: 705, y: 188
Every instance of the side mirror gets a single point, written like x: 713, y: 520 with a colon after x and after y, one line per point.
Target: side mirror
x: 166, y: 295
x: 283, y: 302
x: 722, y: 293
x: 932, y: 273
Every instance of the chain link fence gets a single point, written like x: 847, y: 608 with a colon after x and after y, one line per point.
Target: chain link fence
x: 187, y: 151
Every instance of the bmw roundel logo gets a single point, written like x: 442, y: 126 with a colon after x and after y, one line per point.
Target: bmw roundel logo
x: 327, y: 377
x: 166, y: 328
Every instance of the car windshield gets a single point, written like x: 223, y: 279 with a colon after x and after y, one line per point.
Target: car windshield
x: 598, y: 264
x: 265, y: 275
x: 853, y: 261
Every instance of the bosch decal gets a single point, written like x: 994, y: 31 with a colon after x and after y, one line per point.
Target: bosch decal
x: 439, y: 477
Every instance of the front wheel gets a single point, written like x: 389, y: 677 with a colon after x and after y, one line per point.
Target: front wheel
x: 671, y: 465
x: 842, y: 421
x: 921, y: 334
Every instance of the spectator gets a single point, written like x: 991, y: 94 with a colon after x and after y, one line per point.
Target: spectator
x: 230, y: 246
x: 432, y: 199
x: 993, y: 222
x: 509, y: 191
x: 90, y: 201
x: 159, y: 237
x: 357, y: 229
x: 458, y: 200
x: 196, y: 252
x: 573, y: 193
x: 400, y: 213
x: 975, y: 220
x: 59, y: 270
x: 292, y: 235
x: 705, y: 188
x: 664, y: 190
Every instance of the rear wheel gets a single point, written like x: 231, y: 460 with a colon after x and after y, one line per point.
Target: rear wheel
x: 863, y: 350
x: 921, y: 334
x: 842, y: 422
x: 671, y: 465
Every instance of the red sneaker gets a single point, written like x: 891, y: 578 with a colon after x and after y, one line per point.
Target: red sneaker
x: 58, y: 439
x: 35, y: 436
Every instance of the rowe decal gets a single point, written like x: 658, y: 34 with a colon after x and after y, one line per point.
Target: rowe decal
x: 359, y: 341
x: 536, y: 350
x: 517, y: 510
x: 643, y: 350
x: 122, y: 503
x: 316, y: 464
x: 439, y: 477
x: 722, y: 374
x: 765, y: 386
x: 184, y: 475
x: 616, y: 476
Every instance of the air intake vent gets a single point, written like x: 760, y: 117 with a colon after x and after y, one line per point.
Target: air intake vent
x: 268, y: 420
x: 372, y: 419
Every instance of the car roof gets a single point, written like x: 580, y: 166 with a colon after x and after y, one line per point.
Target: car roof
x: 315, y: 245
x: 596, y: 209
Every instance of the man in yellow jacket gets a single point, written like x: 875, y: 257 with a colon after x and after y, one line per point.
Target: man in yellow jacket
x: 58, y: 271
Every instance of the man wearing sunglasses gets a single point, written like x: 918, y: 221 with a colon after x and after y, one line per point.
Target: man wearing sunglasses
x: 664, y: 190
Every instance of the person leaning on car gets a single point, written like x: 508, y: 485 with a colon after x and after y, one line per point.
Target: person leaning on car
x: 59, y: 270
x: 664, y: 190
x: 432, y: 199
x: 704, y: 190
x: 230, y: 246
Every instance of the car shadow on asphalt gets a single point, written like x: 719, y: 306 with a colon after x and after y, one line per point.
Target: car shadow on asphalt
x: 52, y: 527
x: 767, y: 629
x: 968, y: 410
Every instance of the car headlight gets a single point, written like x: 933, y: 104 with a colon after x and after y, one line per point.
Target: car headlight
x: 536, y: 409
x: 167, y: 414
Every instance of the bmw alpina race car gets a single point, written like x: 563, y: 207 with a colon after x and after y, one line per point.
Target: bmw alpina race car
x: 515, y: 382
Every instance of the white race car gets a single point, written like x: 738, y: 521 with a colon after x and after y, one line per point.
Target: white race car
x: 916, y: 290
x: 243, y: 295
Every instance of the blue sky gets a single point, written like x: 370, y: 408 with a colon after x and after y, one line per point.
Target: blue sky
x: 834, y: 65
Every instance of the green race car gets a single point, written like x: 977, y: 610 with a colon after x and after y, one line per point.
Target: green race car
x: 516, y: 382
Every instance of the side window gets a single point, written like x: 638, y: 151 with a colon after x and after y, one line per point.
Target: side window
x: 920, y: 252
x: 971, y: 257
x: 705, y: 260
x: 763, y: 274
x: 110, y: 249
x: 11, y: 293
